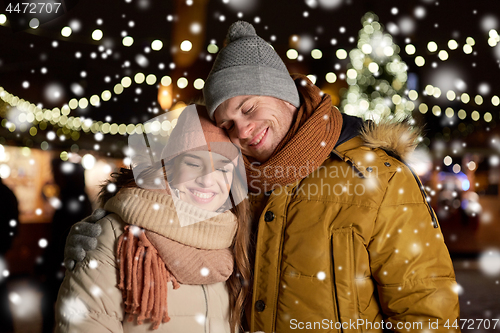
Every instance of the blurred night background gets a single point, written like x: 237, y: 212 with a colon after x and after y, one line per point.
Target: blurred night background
x: 76, y: 83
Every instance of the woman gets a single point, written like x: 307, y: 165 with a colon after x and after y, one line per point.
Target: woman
x: 167, y: 262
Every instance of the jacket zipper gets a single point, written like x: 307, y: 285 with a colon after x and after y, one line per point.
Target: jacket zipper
x: 334, y: 283
x: 206, y: 307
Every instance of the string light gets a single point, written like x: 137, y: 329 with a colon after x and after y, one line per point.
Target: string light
x: 97, y: 34
x: 341, y: 54
x: 30, y: 113
x: 187, y: 45
x: 494, y: 39
x: 292, y: 54
x: 464, y: 97
x: 156, y: 45
x: 450, y: 113
x: 127, y: 41
x: 212, y: 48
x: 66, y: 31
x: 316, y: 54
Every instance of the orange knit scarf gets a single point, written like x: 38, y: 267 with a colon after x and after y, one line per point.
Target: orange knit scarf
x: 143, y: 278
x: 148, y: 261
x: 307, y: 144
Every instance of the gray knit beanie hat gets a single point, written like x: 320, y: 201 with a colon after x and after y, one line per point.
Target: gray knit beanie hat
x: 247, y: 65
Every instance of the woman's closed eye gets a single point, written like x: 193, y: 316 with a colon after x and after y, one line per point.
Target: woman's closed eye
x: 193, y: 165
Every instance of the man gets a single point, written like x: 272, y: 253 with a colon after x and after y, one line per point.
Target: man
x: 345, y: 237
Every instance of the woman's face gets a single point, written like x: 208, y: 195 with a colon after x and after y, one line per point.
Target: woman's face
x: 203, y: 179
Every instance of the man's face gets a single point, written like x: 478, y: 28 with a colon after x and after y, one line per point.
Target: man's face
x: 256, y: 124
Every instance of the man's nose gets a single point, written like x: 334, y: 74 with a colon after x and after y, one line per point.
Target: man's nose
x: 245, y: 129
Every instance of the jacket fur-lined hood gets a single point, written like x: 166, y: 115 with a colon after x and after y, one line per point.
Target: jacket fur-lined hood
x: 395, y: 137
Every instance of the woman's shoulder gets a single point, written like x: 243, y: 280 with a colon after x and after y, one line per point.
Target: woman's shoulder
x: 112, y: 227
x: 112, y: 224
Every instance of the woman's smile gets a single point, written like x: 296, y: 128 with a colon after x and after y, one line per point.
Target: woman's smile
x: 202, y: 195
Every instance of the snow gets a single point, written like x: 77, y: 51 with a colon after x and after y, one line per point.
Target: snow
x: 204, y: 271
x: 489, y: 262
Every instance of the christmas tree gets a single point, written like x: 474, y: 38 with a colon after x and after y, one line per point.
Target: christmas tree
x: 376, y: 76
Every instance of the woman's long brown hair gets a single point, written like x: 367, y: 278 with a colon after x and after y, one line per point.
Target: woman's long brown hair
x: 239, y: 283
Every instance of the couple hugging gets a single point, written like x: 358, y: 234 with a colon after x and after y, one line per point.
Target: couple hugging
x: 201, y: 240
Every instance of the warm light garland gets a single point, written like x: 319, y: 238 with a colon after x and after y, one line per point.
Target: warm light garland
x: 30, y: 113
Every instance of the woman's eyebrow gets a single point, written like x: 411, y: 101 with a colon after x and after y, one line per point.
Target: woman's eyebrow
x: 222, y: 160
x: 192, y: 156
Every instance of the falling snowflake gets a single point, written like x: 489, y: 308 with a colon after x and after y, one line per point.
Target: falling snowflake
x: 330, y: 4
x: 489, y: 22
x: 96, y: 291
x: 489, y: 262
x: 74, y: 206
x: 200, y: 318
x: 406, y: 25
x: 73, y: 309
x: 93, y: 264
x: 141, y: 60
x: 420, y: 12
x: 111, y: 188
x: 43, y: 243
x: 204, y: 271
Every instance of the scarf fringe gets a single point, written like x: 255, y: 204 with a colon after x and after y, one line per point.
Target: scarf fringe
x: 143, y: 278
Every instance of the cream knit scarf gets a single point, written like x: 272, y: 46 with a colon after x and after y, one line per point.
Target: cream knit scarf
x: 158, y: 212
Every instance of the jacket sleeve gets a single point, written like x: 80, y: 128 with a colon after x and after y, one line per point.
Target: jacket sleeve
x: 89, y: 299
x: 410, y: 261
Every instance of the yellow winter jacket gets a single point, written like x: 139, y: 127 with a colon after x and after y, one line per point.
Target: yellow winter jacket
x: 353, y: 247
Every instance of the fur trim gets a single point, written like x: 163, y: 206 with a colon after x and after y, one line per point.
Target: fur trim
x: 397, y: 137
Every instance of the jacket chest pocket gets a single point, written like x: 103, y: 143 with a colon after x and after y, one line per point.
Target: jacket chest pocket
x: 343, y: 273
x: 354, y: 289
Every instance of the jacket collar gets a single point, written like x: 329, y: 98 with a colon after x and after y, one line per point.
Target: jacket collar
x: 397, y: 138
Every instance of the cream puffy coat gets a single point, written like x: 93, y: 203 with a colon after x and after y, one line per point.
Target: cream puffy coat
x: 90, y: 301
